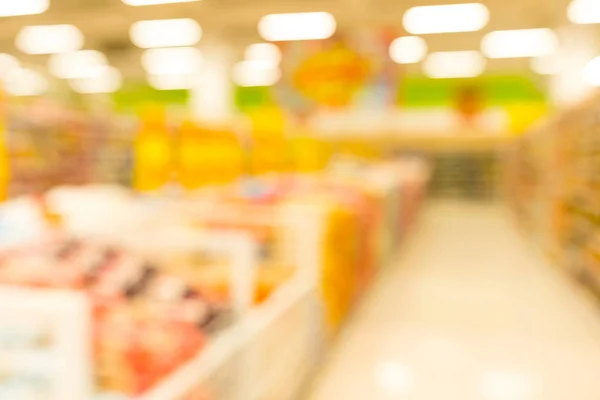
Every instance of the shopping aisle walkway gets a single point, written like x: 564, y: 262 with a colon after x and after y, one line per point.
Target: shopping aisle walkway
x: 468, y: 312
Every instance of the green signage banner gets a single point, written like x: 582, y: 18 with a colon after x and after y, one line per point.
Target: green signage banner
x: 495, y: 90
x: 135, y: 95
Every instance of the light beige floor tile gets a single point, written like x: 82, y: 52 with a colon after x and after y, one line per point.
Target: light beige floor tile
x: 468, y: 312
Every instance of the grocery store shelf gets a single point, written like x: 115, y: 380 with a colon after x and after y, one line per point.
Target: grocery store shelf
x: 450, y: 141
x: 470, y: 311
x: 236, y: 341
x: 28, y: 362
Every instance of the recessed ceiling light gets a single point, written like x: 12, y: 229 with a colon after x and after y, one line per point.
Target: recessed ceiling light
x: 408, y: 50
x: 25, y: 82
x: 77, y: 64
x: 584, y: 12
x: 49, y: 39
x: 154, y: 2
x: 173, y: 82
x: 468, y: 17
x: 547, y: 65
x: 7, y: 62
x: 297, y: 26
x: 519, y: 43
x: 267, y: 53
x: 105, y: 80
x: 165, y: 33
x: 591, y: 72
x: 454, y: 64
x: 13, y: 8
x: 172, y: 61
x: 254, y: 74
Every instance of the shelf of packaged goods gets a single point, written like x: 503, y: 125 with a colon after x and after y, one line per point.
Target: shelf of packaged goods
x: 588, y: 215
x: 67, y: 360
x: 429, y: 141
x: 28, y: 361
x: 241, y: 353
x: 589, y: 273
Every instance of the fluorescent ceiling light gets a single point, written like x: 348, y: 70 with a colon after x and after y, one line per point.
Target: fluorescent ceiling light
x: 591, y: 72
x: 469, y: 17
x: 454, y: 64
x: 77, y: 64
x: 165, y: 33
x: 154, y: 2
x: 7, y: 63
x: 519, y: 43
x: 584, y: 12
x: 25, y: 82
x: 172, y: 61
x: 297, y: 26
x: 49, y: 39
x: 547, y: 65
x: 267, y: 53
x: 173, y: 82
x: 13, y: 8
x: 105, y: 80
x: 252, y: 74
x: 408, y: 50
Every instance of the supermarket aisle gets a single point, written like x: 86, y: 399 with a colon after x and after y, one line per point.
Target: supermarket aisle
x: 468, y: 312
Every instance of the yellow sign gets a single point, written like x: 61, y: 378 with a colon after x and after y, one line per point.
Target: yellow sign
x: 4, y: 161
x: 332, y: 77
x: 153, y: 155
x: 208, y: 157
x: 268, y: 122
x: 523, y: 115
x: 309, y: 154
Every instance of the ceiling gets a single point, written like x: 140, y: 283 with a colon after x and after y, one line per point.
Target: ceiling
x: 105, y: 23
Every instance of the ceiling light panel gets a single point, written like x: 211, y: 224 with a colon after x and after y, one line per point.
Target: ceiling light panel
x: 25, y: 82
x: 254, y: 74
x: 267, y: 53
x: 77, y: 64
x: 454, y: 64
x: 591, y: 72
x: 468, y: 17
x: 154, y: 2
x: 165, y: 33
x: 49, y: 39
x: 13, y: 8
x: 519, y: 43
x: 584, y: 12
x: 408, y: 50
x: 105, y: 80
x: 172, y: 61
x: 547, y: 65
x: 7, y: 63
x: 173, y: 82
x: 297, y: 26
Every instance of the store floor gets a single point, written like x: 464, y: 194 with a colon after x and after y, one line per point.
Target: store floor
x: 468, y: 312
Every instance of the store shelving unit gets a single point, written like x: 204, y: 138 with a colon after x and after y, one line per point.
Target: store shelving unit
x: 271, y: 346
x: 555, y: 189
x: 466, y: 175
x: 466, y: 164
x: 45, y: 344
x: 244, y: 361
